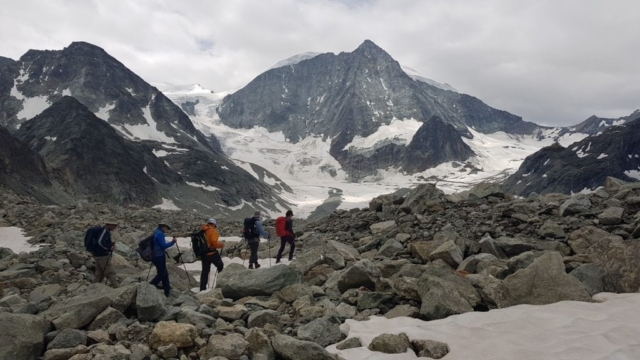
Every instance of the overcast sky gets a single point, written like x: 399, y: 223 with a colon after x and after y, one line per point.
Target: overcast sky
x: 551, y: 62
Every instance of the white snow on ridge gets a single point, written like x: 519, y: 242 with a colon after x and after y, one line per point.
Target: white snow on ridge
x: 567, y: 330
x: 418, y: 77
x: 397, y: 131
x: 295, y: 59
x: 148, y: 131
x: 167, y: 204
x: 182, y: 89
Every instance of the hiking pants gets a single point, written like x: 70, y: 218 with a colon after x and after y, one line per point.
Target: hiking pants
x: 160, y: 263
x: 283, y: 242
x: 207, y: 260
x: 104, y: 269
x: 253, y: 246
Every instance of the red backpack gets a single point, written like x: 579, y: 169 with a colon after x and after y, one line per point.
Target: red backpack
x: 281, y: 226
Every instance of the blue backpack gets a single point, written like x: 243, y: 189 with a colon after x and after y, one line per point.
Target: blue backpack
x: 91, y: 238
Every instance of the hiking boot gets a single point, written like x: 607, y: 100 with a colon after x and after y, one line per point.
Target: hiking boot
x: 250, y: 266
x: 277, y: 261
x: 257, y: 266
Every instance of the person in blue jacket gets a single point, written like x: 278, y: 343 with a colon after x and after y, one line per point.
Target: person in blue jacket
x: 160, y: 245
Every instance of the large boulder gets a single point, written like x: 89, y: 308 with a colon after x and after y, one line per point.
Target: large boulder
x: 347, y: 252
x: 166, y: 333
x: 389, y: 248
x: 231, y: 346
x: 575, y: 205
x: 551, y: 229
x: 66, y: 354
x: 611, y: 216
x: 76, y: 312
x: 237, y: 282
x: 262, y: 317
x: 321, y: 331
x: 68, y: 338
x: 107, y: 317
x: 363, y: 273
x: 259, y: 345
x: 418, y: 197
x: 543, y: 282
x: 449, y: 252
x: 22, y: 336
x: 582, y: 239
x: 289, y: 348
x: 591, y: 276
x: 383, y: 226
x: 149, y: 302
x: 441, y: 298
x: 44, y: 292
x: 619, y: 262
x: 391, y: 344
x: 513, y: 246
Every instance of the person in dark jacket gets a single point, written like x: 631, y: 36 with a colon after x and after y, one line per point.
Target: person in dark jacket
x: 160, y: 245
x: 212, y: 256
x: 254, y: 239
x: 102, y: 250
x: 290, y: 238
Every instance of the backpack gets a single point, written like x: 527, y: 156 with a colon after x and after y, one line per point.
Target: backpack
x: 91, y: 238
x: 281, y: 226
x: 249, y: 231
x: 199, y: 244
x: 145, y: 248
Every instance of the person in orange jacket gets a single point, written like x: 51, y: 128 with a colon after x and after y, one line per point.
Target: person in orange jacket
x: 212, y: 255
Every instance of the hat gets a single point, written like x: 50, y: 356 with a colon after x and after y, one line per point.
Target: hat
x: 212, y: 221
x: 256, y: 213
x: 111, y: 222
x: 164, y: 223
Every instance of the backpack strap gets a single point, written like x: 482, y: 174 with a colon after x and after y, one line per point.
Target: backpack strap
x: 104, y: 230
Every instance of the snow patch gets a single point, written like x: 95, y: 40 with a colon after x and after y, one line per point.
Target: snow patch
x: 633, y: 174
x: 103, y: 112
x: 399, y: 132
x: 167, y: 205
x: 160, y: 153
x: 14, y: 239
x: 148, y: 131
x: 602, y: 156
x: 50, y: 138
x: 206, y: 187
x: 31, y: 107
x: 561, y: 331
x: 295, y: 59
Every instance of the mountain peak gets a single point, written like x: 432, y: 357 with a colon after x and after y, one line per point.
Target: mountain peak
x: 84, y: 47
x: 370, y: 50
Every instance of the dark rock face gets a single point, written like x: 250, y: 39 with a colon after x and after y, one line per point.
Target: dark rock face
x: 353, y: 94
x: 87, y: 157
x: 585, y: 164
x: 99, y: 82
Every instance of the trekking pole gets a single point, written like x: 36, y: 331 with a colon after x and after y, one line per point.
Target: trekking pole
x: 183, y: 265
x: 245, y: 253
x: 104, y: 271
x: 149, y: 273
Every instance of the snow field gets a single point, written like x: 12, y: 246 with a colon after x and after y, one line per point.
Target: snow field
x: 14, y: 239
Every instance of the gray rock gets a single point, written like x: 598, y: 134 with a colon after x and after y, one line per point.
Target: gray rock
x: 403, y: 310
x: 189, y: 316
x: 383, y: 226
x: 289, y: 348
x: 390, y: 248
x: 262, y: 318
x: 552, y: 230
x: 259, y: 345
x: 391, y: 344
x: 363, y: 273
x: 167, y: 351
x: 76, y: 312
x: 107, y: 317
x: 347, y: 252
x: 449, y: 252
x: 321, y: 331
x: 44, y: 292
x: 486, y: 286
x: 390, y: 267
x: 68, y: 338
x: 489, y: 246
x: 65, y: 354
x: 231, y: 313
x: 231, y: 346
x: 476, y: 263
x: 237, y: 282
x: 513, y: 246
x: 345, y: 310
x: 582, y: 239
x: 441, y: 299
x: 422, y: 193
x: 350, y: 343
x: 543, y: 282
x: 611, y: 216
x: 140, y: 352
x: 293, y: 292
x: 618, y: 260
x: 590, y: 276
x: 372, y: 300
x: 149, y: 302
x: 575, y: 205
x: 431, y: 349
x: 22, y: 336
x: 484, y: 190
x: 307, y: 261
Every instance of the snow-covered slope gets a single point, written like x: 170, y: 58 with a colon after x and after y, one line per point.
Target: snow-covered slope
x: 295, y: 59
x: 418, y: 77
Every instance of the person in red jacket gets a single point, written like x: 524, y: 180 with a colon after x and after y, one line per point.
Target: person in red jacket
x: 212, y: 256
x: 290, y: 238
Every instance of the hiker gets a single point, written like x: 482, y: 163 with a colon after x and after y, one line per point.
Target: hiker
x: 160, y: 244
x: 252, y: 231
x: 289, y: 236
x: 98, y: 242
x: 212, y: 255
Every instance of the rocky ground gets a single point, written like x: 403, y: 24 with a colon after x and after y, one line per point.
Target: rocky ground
x: 425, y: 255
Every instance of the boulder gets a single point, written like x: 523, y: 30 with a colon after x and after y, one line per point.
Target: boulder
x: 611, y: 216
x: 65, y: 354
x: 347, y: 252
x: 543, y: 282
x: 168, y: 351
x: 307, y: 261
x: 441, y: 299
x: 321, y: 331
x: 231, y: 313
x: 489, y: 246
x: 390, y: 267
x: 382, y: 226
x: 261, y: 318
x: 293, y: 292
x: 575, y: 205
x: 22, y: 336
x: 44, y: 292
x: 590, y: 276
x: 77, y: 312
x: 190, y: 316
x: 350, y: 343
x: 391, y: 343
x: 403, y: 310
x: 363, y: 273
x: 231, y: 346
x: 551, y: 229
x: 484, y: 190
x: 68, y: 338
x: 619, y: 262
x: 167, y: 333
x: 513, y: 246
x: 104, y: 319
x: 259, y: 345
x: 417, y: 198
x: 372, y: 299
x: 289, y: 348
x: 422, y: 249
x: 582, y: 239
x: 237, y: 282
x: 430, y: 349
x: 389, y: 248
x: 449, y: 252
x: 149, y: 302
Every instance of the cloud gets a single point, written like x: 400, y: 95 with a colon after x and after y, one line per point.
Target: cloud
x: 550, y: 62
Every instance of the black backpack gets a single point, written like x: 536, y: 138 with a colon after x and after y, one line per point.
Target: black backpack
x: 91, y: 238
x: 145, y: 248
x: 249, y: 231
x: 199, y: 244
